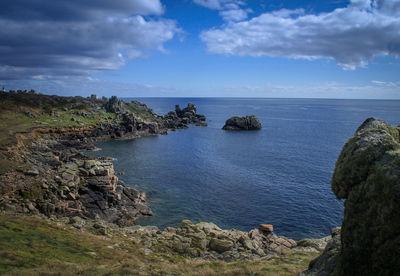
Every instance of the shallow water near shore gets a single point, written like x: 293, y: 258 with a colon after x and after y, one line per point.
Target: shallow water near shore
x: 279, y: 175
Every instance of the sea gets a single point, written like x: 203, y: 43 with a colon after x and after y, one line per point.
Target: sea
x: 279, y: 175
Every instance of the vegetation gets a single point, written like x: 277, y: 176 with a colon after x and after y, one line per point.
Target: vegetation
x: 33, y: 245
x: 22, y: 112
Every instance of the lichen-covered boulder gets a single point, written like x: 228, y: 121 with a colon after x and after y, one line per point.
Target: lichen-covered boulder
x: 367, y: 175
x: 242, y: 123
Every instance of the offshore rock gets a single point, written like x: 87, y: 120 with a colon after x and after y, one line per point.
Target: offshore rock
x: 180, y: 118
x: 242, y: 123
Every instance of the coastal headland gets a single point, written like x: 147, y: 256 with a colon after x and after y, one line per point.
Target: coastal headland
x: 65, y: 212
x: 45, y: 175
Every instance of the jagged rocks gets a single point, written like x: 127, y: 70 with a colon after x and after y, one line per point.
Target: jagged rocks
x: 114, y: 105
x: 242, y: 123
x: 180, y: 118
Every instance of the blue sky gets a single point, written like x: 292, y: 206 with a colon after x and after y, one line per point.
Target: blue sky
x: 202, y: 48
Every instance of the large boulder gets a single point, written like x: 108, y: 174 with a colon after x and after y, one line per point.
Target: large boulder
x: 367, y: 176
x: 242, y: 123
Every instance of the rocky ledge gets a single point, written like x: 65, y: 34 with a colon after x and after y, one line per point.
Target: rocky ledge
x: 242, y: 123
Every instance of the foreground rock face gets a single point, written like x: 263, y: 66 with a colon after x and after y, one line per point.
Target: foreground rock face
x: 367, y: 175
x: 207, y: 241
x: 242, y: 123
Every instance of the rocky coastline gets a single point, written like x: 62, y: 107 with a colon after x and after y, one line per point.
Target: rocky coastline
x: 45, y: 173
x: 54, y: 178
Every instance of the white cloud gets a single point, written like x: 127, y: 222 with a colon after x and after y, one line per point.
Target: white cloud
x: 211, y: 4
x: 386, y: 83
x: 234, y: 14
x: 326, y: 90
x: 75, y: 38
x: 229, y: 10
x: 351, y: 35
x: 147, y: 6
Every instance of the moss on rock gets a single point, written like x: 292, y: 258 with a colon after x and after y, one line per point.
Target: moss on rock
x: 367, y: 175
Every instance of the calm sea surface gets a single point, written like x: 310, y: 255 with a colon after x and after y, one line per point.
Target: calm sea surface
x: 279, y: 175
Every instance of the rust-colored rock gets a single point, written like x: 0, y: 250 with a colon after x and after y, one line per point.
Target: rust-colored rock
x: 266, y: 227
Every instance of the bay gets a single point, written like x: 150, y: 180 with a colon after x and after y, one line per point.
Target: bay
x: 278, y: 175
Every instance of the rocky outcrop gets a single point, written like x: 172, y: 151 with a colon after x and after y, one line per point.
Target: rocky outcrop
x: 242, y: 123
x: 180, y: 118
x: 60, y: 180
x: 114, y: 105
x: 207, y: 241
x: 367, y: 176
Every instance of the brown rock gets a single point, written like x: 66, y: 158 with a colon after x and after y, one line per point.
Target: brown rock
x: 266, y: 227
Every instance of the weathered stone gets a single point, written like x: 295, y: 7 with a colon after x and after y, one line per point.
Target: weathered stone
x: 33, y: 171
x: 266, y: 227
x: 220, y: 246
x: 367, y: 174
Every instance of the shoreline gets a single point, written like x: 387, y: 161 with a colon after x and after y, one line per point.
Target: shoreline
x: 59, y: 180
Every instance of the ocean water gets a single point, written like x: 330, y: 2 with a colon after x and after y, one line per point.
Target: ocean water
x: 279, y: 175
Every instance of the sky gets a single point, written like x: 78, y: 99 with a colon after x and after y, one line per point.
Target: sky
x: 202, y: 48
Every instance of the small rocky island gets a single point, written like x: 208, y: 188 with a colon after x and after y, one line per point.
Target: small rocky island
x: 242, y: 123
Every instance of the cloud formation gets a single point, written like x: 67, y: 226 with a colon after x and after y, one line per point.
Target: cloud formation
x: 229, y: 10
x: 351, y: 35
x: 47, y: 38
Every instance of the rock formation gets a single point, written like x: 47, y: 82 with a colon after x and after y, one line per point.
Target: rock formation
x: 181, y: 118
x: 242, y: 123
x: 367, y: 176
x: 208, y: 241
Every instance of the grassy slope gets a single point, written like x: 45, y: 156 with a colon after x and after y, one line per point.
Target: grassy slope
x: 31, y: 246
x: 13, y: 118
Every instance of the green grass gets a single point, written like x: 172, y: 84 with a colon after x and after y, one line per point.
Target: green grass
x: 13, y: 120
x: 32, y: 246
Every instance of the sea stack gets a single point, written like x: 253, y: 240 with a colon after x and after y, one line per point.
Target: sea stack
x: 242, y: 123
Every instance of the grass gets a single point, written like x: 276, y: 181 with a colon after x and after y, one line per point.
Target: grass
x: 13, y: 118
x: 32, y: 246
